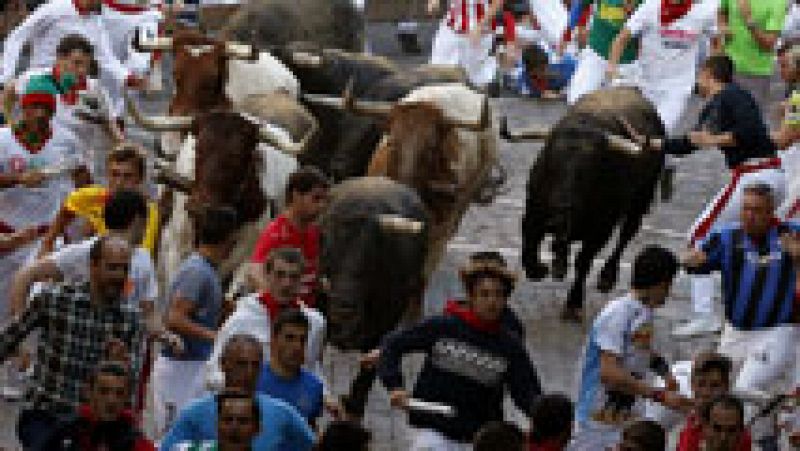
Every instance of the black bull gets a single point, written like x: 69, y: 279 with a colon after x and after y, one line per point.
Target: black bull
x: 581, y: 188
x: 373, y: 267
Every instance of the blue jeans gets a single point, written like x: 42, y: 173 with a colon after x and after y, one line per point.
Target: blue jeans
x: 34, y: 427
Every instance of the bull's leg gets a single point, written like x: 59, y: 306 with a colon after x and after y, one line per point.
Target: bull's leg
x: 610, y: 272
x: 532, y: 235
x: 573, y: 311
x: 355, y: 401
x: 560, y: 249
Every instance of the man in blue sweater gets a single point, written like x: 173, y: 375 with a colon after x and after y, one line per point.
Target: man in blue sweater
x: 471, y: 360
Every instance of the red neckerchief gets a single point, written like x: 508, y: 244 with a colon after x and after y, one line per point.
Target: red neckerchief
x: 81, y: 10
x: 32, y: 148
x: 547, y: 445
x: 466, y: 314
x: 125, y: 9
x: 70, y: 97
x: 273, y: 307
x: 671, y: 12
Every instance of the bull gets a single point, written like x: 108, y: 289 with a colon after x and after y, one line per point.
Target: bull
x: 589, y: 179
x: 372, y: 254
x: 438, y: 141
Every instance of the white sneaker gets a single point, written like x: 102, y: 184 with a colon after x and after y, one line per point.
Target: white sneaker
x: 10, y: 393
x: 700, y: 325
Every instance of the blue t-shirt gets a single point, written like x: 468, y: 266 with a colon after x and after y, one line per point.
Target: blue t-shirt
x: 282, y: 428
x: 304, y: 392
x: 197, y: 281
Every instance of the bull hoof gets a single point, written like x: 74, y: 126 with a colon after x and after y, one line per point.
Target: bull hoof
x: 536, y: 271
x: 572, y: 314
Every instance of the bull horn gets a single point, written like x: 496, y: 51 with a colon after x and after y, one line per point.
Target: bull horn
x: 483, y: 121
x: 172, y: 179
x: 527, y: 134
x: 157, y: 123
x: 237, y: 50
x: 623, y: 144
x: 143, y: 44
x: 305, y: 59
x: 400, y: 224
x: 279, y: 140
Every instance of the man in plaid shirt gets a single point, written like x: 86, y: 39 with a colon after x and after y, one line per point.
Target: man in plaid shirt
x: 80, y: 324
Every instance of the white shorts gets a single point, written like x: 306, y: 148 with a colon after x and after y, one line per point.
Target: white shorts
x: 175, y: 383
x: 430, y: 440
x: 670, y: 103
x: 591, y: 73
x: 454, y: 49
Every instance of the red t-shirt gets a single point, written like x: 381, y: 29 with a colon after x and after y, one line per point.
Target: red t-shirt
x: 692, y: 436
x: 283, y: 233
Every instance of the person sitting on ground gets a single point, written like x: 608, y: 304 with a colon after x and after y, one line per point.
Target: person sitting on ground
x: 471, y: 361
x: 283, y: 376
x: 643, y: 435
x: 282, y: 427
x: 344, y: 436
x: 103, y: 422
x: 497, y: 436
x: 80, y: 324
x: 238, y: 425
x: 619, y: 354
x: 551, y: 423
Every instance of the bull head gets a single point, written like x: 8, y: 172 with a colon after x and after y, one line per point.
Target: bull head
x: 234, y: 50
x: 616, y: 142
x: 382, y: 109
x: 267, y: 133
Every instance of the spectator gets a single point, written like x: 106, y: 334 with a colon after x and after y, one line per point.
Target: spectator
x: 29, y: 196
x: 124, y: 215
x: 723, y: 428
x: 103, y: 422
x: 80, y: 324
x: 710, y: 381
x: 345, y: 436
x: 193, y: 313
x: 238, y: 425
x: 282, y: 427
x: 499, y: 436
x: 551, y: 423
x: 71, y: 73
x: 283, y: 376
x: 643, y: 436
x: 757, y: 259
x: 619, y: 354
x: 126, y: 165
x: 470, y: 362
x: 254, y: 315
x: 306, y: 197
x: 751, y: 29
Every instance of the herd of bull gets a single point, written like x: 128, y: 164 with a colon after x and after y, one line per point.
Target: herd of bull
x: 412, y: 149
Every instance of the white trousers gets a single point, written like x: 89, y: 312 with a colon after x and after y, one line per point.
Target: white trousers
x: 591, y: 73
x: 670, y: 103
x: 175, y: 383
x: 454, y: 49
x: 724, y: 208
x: 430, y: 440
x: 790, y: 161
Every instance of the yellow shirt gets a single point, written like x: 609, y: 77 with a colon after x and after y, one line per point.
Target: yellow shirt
x: 88, y: 202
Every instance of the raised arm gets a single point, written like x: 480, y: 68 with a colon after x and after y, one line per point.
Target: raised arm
x: 28, y: 30
x: 39, y: 271
x: 21, y: 326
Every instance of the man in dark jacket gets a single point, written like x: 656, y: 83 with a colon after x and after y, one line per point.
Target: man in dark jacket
x: 104, y: 422
x: 471, y: 360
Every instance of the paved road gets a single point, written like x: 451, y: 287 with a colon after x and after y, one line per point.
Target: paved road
x: 554, y: 346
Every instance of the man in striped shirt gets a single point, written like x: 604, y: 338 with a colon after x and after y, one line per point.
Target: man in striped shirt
x: 759, y: 290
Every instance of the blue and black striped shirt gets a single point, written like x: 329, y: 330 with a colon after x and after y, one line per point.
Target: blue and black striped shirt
x: 758, y: 279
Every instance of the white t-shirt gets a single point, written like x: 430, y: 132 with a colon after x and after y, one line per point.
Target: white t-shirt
x: 73, y: 262
x: 624, y: 328
x: 669, y: 53
x: 791, y: 25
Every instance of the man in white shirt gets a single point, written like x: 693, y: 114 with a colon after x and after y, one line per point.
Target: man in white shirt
x: 254, y: 314
x: 47, y: 25
x: 671, y: 33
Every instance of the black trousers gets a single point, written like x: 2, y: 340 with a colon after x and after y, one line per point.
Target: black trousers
x: 34, y: 428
